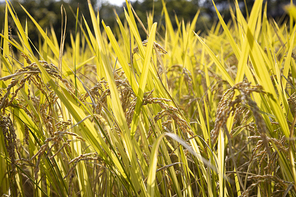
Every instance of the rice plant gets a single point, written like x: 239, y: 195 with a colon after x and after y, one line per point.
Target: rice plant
x: 176, y: 115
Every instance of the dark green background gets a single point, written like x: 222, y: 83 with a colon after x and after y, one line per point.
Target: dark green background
x: 48, y: 13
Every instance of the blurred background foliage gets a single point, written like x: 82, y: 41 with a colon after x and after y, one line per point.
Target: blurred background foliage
x: 48, y: 13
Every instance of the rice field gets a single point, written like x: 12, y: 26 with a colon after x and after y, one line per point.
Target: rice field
x: 183, y: 114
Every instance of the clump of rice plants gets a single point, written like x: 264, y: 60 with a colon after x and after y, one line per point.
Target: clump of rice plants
x: 179, y: 115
